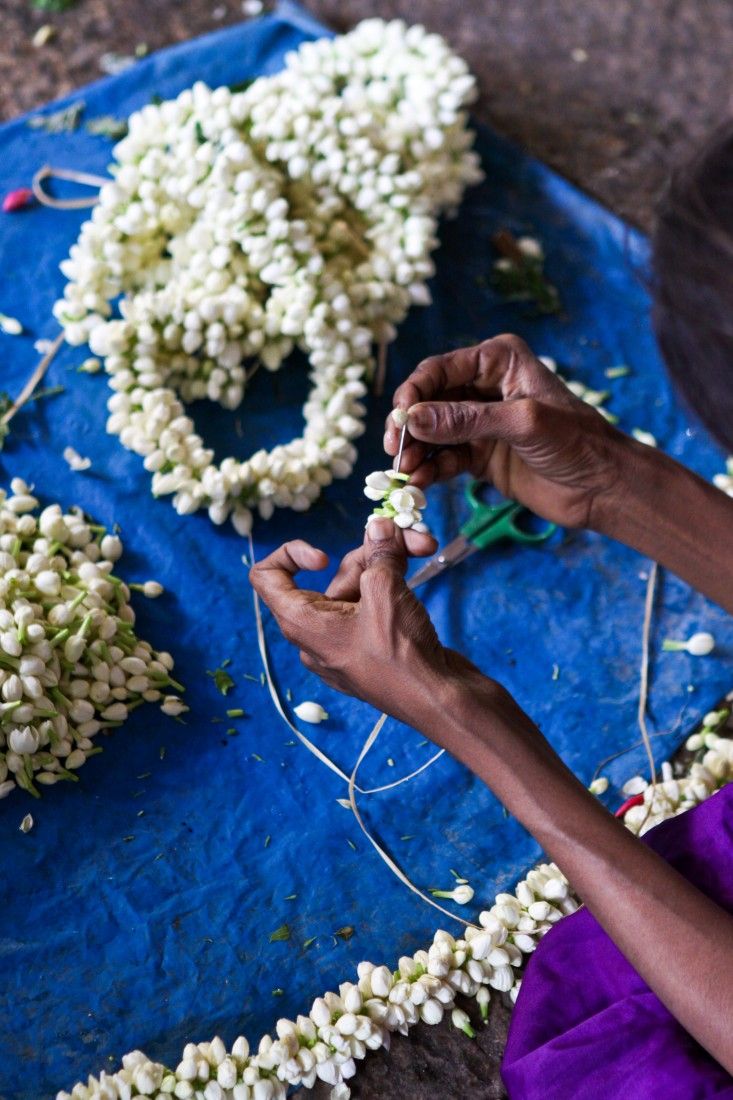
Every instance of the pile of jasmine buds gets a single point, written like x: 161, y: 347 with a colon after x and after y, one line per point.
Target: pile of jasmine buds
x: 71, y: 665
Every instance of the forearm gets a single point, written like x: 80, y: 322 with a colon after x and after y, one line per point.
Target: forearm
x: 679, y: 941
x: 675, y: 517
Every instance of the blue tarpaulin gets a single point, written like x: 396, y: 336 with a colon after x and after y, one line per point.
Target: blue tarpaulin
x: 138, y: 911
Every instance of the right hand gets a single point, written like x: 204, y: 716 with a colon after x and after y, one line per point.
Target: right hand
x: 496, y: 411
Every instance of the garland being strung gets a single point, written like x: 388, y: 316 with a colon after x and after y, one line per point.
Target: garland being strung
x: 299, y: 212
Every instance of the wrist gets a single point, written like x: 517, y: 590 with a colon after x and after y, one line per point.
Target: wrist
x: 670, y: 514
x: 637, y: 471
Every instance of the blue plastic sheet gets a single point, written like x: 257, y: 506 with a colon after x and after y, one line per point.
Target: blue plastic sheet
x: 138, y: 911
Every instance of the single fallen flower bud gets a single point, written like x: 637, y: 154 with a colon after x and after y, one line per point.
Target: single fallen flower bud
x: 311, y: 712
x: 17, y: 200
x: 75, y: 460
x: 460, y: 1020
x: 644, y: 437
x: 531, y: 247
x: 43, y: 35
x: 599, y: 785
x: 10, y: 325
x: 26, y: 824
x: 150, y: 589
x: 461, y: 895
x: 697, y: 645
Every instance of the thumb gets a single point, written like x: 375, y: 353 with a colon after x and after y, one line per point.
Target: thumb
x: 452, y: 422
x: 385, y: 557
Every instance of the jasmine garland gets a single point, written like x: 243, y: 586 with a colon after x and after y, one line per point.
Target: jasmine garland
x: 342, y: 1027
x: 299, y: 212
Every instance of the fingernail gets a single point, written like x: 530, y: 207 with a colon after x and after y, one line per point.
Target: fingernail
x: 380, y: 529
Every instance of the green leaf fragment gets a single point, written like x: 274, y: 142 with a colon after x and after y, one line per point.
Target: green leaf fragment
x: 107, y: 126
x: 221, y: 678
x: 58, y: 122
x: 281, y: 934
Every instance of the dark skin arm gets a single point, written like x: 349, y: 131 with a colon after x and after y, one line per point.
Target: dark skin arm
x: 370, y: 637
x: 494, y: 410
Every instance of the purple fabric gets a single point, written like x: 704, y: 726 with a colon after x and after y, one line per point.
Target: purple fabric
x: 586, y: 1025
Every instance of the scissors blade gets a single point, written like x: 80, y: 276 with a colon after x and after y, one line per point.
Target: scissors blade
x: 456, y: 551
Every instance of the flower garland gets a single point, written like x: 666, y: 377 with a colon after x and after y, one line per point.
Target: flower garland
x: 71, y: 664
x: 342, y: 1027
x: 299, y: 212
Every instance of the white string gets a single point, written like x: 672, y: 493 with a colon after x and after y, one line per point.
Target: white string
x: 644, y: 671
x: 349, y: 779
x: 305, y: 741
x: 394, y: 867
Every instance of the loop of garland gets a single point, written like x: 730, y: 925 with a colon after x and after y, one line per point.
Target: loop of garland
x: 238, y: 225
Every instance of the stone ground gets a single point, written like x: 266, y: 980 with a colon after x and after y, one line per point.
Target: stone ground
x: 609, y: 94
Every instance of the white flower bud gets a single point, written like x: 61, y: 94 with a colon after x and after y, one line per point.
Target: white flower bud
x: 310, y: 712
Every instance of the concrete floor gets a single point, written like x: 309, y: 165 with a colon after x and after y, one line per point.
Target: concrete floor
x: 609, y: 93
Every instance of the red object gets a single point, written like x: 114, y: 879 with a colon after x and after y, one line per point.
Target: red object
x: 635, y: 800
x: 16, y: 200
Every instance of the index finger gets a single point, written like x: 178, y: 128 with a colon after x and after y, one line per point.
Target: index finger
x: 431, y: 379
x: 503, y: 366
x: 272, y: 578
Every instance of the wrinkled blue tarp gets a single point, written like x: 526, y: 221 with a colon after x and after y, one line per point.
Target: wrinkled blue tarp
x: 137, y: 912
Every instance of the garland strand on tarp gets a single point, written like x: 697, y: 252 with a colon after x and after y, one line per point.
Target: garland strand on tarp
x: 342, y: 1027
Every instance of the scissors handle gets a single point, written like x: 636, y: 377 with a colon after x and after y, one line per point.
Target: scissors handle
x: 490, y: 522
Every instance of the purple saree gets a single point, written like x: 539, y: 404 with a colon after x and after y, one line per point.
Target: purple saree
x: 586, y: 1025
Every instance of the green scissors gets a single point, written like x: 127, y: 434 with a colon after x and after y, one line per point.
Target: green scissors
x: 487, y: 524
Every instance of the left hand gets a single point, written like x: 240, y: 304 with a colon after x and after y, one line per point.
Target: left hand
x: 368, y: 635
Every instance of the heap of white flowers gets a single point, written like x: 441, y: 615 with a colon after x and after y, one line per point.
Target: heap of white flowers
x: 711, y: 769
x: 299, y: 212
x: 71, y: 664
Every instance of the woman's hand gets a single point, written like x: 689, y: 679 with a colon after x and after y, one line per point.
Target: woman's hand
x: 495, y: 411
x: 368, y: 635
